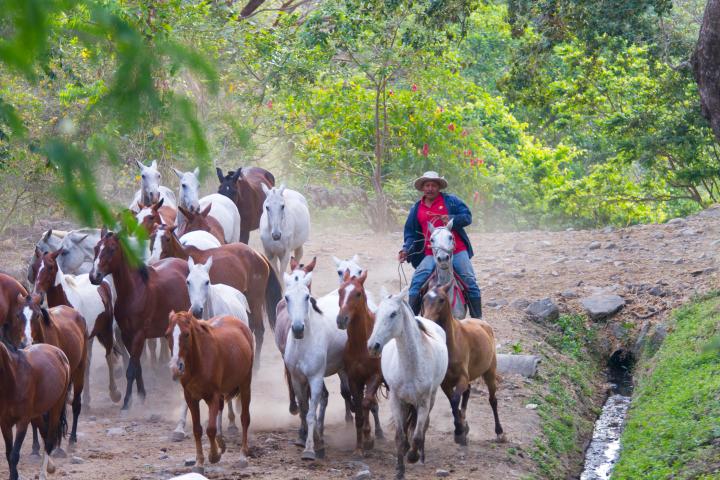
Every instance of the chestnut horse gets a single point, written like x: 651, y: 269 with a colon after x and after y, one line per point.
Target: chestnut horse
x: 33, y: 388
x: 214, y: 361
x: 94, y: 303
x: 62, y: 327
x: 155, y: 214
x: 244, y: 187
x: 10, y: 289
x: 145, y: 297
x: 363, y: 371
x: 201, y: 220
x: 471, y: 354
x: 241, y: 267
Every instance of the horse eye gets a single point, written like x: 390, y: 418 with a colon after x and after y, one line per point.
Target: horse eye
x: 267, y: 207
x: 184, y: 186
x: 282, y: 207
x: 393, y: 315
x: 187, y: 282
x: 357, y: 294
x: 287, y: 300
x: 143, y: 175
x: 340, y: 273
x: 64, y: 253
x: 207, y: 282
x: 307, y: 297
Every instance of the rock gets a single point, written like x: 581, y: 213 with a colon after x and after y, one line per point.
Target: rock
x: 543, y: 310
x: 554, y: 273
x: 115, y: 431
x: 568, y: 294
x: 678, y: 261
x: 441, y: 473
x: 657, y: 291
x: 76, y: 460
x: 594, y: 245
x: 190, y: 476
x: 92, y: 418
x: 525, y: 365
x: 658, y: 235
x: 601, y: 307
x: 677, y: 222
x: 607, y: 230
x: 658, y: 336
x: 496, y: 303
x: 545, y: 243
x: 164, y: 456
x: 618, y: 263
x: 610, y: 246
x: 189, y: 462
x: 531, y: 406
x: 689, y: 232
x: 650, y: 338
x: 520, y: 303
x: 363, y: 475
x: 715, y: 243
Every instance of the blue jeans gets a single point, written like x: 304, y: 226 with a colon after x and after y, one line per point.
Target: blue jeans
x: 461, y: 265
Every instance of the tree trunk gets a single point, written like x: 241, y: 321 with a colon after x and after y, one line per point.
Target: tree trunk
x: 379, y: 217
x: 706, y: 65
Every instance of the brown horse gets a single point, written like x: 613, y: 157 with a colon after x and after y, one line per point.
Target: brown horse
x: 214, y: 361
x: 33, y: 388
x: 145, y: 297
x: 471, y: 354
x: 10, y: 289
x: 156, y: 214
x: 93, y: 303
x: 363, y: 371
x: 243, y: 186
x: 195, y: 220
x: 241, y: 267
x: 61, y: 327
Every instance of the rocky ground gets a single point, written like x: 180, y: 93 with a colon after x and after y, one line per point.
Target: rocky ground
x: 652, y: 268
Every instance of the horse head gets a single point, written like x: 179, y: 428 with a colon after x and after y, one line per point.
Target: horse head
x: 30, y: 319
x: 195, y: 219
x: 150, y: 182
x: 274, y: 207
x: 47, y: 272
x: 442, y: 243
x: 437, y: 305
x: 299, y: 302
x: 178, y: 334
x: 74, y: 253
x: 108, y: 256
x: 189, y: 188
x: 149, y: 215
x: 298, y: 271
x: 198, y: 284
x: 350, y: 264
x: 352, y: 298
x: 229, y: 183
x: 389, y: 319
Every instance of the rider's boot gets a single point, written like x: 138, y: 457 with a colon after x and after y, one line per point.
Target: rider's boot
x: 414, y: 301
x: 475, y: 305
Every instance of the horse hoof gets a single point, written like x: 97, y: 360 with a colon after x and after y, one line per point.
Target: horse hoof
x: 320, y: 453
x: 221, y: 443
x: 308, y: 455
x: 461, y: 440
x: 58, y: 453
x: 50, y: 466
x: 241, y: 463
x: 214, y: 458
x: 115, y: 396
x: 198, y: 469
x: 501, y: 438
x: 35, y: 457
x: 349, y: 419
x: 294, y: 410
x: 413, y: 456
x: 379, y: 435
x: 233, y: 430
x: 369, y: 444
x: 177, y: 436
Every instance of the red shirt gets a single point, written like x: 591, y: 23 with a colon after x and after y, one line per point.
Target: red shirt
x: 425, y: 214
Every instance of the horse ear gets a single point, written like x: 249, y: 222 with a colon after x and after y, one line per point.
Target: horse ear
x: 447, y: 288
x: 20, y: 298
x: 56, y: 253
x: 265, y: 188
x: 36, y: 299
x: 310, y: 266
x: 220, y: 175
x: 355, y: 258
x: 449, y: 224
x: 308, y: 279
x: 38, y: 252
x: 173, y: 228
x: 337, y: 261
x: 208, y: 264
x: 79, y: 240
x: 206, y: 211
x: 154, y: 164
x: 186, y: 213
x: 196, y: 172
x: 103, y: 231
x: 171, y: 314
x: 431, y: 227
x: 178, y: 172
x: 287, y: 278
x: 159, y: 204
x: 191, y: 262
x: 238, y: 173
x: 362, y: 277
x: 47, y: 236
x: 346, y: 275
x: 383, y: 292
x: 403, y: 295
x: 139, y: 164
x: 293, y: 264
x: 281, y: 188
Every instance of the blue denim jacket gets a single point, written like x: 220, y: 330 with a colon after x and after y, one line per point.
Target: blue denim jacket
x: 415, y: 242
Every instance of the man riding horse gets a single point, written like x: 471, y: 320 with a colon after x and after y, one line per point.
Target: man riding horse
x: 438, y: 208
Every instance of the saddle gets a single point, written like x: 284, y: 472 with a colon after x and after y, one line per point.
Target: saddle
x: 460, y: 290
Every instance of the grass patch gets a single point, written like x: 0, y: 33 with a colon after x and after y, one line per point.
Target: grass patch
x: 565, y: 393
x: 673, y: 428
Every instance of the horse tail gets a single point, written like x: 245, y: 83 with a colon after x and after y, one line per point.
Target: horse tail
x: 273, y: 293
x: 384, y: 392
x: 54, y: 437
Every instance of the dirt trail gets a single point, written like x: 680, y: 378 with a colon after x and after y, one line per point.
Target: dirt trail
x: 654, y: 267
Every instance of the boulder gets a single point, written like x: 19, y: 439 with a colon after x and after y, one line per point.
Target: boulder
x: 601, y: 307
x: 525, y: 365
x: 543, y: 311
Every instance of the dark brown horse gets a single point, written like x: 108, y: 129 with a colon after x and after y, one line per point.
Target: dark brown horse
x: 94, y: 303
x: 214, y: 361
x: 241, y: 267
x: 243, y: 186
x: 195, y: 220
x: 62, y: 327
x: 471, y: 354
x: 9, y: 291
x: 33, y: 388
x: 155, y: 214
x: 145, y: 297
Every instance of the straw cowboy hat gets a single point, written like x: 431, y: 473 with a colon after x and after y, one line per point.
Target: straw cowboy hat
x: 430, y: 176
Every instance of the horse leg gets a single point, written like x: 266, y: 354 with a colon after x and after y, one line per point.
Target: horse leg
x: 298, y: 253
x: 164, y: 353
x: 232, y: 428
x: 453, y: 393
x: 76, y: 404
x: 152, y: 352
x: 178, y: 435
x: 194, y: 407
x: 284, y: 262
x: 302, y: 397
x: 320, y: 449
x: 356, y: 393
x: 291, y: 393
x: 347, y: 396
x: 220, y: 437
x: 211, y: 429
x: 112, y: 386
x: 86, y: 392
x: 122, y: 347
x: 316, y: 386
x: 423, y: 413
x: 14, y: 457
x: 491, y: 382
x: 35, y: 452
x: 245, y: 395
x: 368, y: 403
x: 399, y: 411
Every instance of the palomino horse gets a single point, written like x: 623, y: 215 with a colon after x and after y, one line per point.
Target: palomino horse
x: 199, y: 238
x: 314, y: 350
x: 10, y: 291
x: 62, y: 327
x: 471, y: 350
x: 284, y: 225
x: 214, y: 361
x: 94, y: 303
x: 155, y: 214
x: 414, y: 361
x: 243, y: 187
x: 240, y: 267
x: 145, y: 297
x: 363, y: 371
x: 78, y: 248
x: 202, y: 221
x: 33, y: 388
x: 150, y: 189
x: 442, y: 243
x: 221, y: 209
x: 210, y: 300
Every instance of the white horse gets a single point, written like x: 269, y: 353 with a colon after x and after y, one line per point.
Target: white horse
x: 199, y: 239
x: 284, y: 225
x: 442, y: 243
x: 206, y: 301
x: 150, y: 189
x: 78, y: 249
x: 414, y: 362
x: 314, y: 350
x: 223, y: 209
x: 351, y: 265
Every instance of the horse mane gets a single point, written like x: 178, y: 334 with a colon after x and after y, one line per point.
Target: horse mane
x: 45, y: 315
x: 70, y: 280
x: 422, y: 327
x: 313, y: 302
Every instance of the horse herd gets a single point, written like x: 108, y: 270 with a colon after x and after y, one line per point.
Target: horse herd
x: 203, y: 290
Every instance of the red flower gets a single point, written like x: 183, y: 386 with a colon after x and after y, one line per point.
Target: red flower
x: 468, y: 153
x: 391, y: 93
x: 464, y: 133
x: 480, y: 161
x: 451, y: 127
x: 269, y: 104
x: 441, y: 109
x: 414, y: 87
x: 425, y: 150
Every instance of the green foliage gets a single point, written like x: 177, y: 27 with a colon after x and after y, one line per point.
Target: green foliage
x: 672, y: 427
